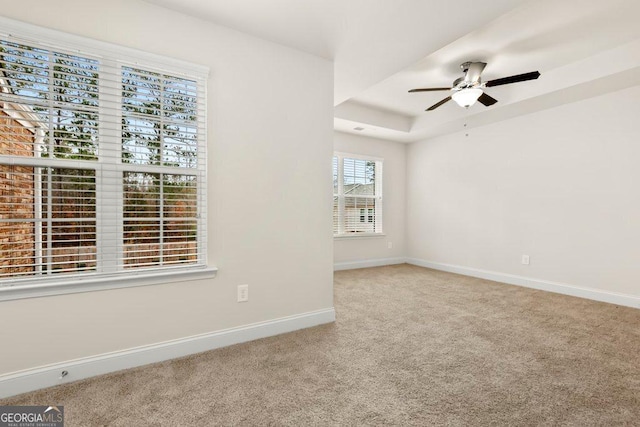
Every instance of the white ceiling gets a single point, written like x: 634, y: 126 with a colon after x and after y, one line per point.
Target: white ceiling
x: 383, y: 48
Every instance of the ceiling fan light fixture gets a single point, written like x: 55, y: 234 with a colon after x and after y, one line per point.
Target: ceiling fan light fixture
x: 466, y: 97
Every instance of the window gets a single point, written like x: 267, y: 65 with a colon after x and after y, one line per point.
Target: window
x: 357, y: 195
x: 364, y: 217
x: 102, y: 160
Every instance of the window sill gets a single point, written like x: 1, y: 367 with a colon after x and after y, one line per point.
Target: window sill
x: 358, y: 236
x: 95, y: 283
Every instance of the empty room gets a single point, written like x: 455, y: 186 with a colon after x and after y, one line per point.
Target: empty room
x: 319, y: 212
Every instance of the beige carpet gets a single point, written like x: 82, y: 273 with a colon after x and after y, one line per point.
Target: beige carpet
x: 411, y: 346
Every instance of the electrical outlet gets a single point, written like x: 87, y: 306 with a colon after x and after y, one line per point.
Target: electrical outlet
x: 243, y: 293
x: 525, y: 259
x: 390, y: 245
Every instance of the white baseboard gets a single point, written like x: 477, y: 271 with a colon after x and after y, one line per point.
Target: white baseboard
x: 544, y: 285
x: 47, y: 376
x: 350, y: 265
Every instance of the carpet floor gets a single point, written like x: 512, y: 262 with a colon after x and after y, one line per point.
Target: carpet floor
x: 411, y: 346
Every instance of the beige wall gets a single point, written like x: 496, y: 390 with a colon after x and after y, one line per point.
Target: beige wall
x: 354, y: 249
x: 270, y: 118
x: 559, y: 185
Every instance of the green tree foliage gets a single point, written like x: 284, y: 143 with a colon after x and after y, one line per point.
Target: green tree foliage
x: 159, y: 119
x: 63, y: 90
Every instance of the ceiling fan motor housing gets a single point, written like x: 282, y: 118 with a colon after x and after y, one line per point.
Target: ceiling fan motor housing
x: 465, y: 66
x: 472, y: 72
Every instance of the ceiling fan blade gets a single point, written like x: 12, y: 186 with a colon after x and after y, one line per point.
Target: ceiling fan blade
x: 429, y: 89
x: 473, y: 71
x: 513, y: 79
x: 434, y: 106
x: 486, y: 100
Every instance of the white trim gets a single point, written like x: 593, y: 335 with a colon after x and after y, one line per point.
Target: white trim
x: 22, y: 115
x: 48, y: 376
x: 357, y: 236
x: 357, y: 156
x: 350, y: 265
x: 99, y: 282
x: 528, y: 282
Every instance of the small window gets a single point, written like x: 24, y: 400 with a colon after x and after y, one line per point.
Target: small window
x: 357, y: 195
x: 366, y: 215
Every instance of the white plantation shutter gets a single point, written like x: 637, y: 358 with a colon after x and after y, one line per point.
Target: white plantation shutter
x: 160, y: 219
x: 357, y: 195
x: 337, y: 220
x: 102, y: 160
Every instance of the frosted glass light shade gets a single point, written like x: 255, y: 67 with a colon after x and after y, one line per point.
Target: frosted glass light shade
x: 466, y: 97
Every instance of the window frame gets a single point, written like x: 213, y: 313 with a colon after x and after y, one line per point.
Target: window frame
x: 378, y: 196
x: 111, y: 55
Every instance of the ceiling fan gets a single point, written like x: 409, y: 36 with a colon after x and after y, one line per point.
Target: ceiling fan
x: 469, y: 89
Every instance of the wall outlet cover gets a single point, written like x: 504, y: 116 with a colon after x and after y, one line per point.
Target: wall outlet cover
x: 243, y: 293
